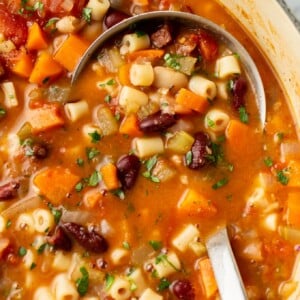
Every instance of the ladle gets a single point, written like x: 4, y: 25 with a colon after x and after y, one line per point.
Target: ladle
x: 194, y: 21
x: 224, y: 265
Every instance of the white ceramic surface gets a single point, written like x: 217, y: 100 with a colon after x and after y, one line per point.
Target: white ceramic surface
x: 278, y: 39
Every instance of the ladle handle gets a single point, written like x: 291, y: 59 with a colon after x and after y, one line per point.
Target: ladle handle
x: 225, y: 268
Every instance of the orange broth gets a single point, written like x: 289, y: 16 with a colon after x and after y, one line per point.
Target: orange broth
x: 142, y: 222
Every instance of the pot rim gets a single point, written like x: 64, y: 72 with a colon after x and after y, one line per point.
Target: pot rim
x: 290, y: 14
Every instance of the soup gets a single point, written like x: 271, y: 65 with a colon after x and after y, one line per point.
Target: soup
x: 110, y: 187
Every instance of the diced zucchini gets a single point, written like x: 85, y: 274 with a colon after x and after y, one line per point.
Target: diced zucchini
x: 10, y: 97
x: 180, y: 143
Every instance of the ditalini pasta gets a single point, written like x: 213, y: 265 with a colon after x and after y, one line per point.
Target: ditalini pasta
x: 110, y: 186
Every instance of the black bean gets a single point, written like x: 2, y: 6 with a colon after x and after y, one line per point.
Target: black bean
x: 239, y: 89
x: 90, y: 240
x: 200, y: 151
x: 128, y: 167
x: 114, y: 17
x: 9, y: 190
x: 60, y: 239
x: 183, y: 289
x: 157, y: 122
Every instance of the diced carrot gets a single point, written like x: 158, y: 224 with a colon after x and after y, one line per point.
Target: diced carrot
x: 36, y: 39
x: 237, y: 137
x: 193, y: 203
x: 109, y: 176
x: 191, y: 101
x: 23, y: 66
x: 293, y: 209
x: 123, y: 74
x: 45, y: 118
x: 206, y: 277
x: 55, y: 183
x: 130, y: 126
x: 294, y: 174
x: 71, y: 51
x: 150, y: 54
x: 45, y: 69
x: 141, y: 2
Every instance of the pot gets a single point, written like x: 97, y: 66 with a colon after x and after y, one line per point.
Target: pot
x: 278, y: 41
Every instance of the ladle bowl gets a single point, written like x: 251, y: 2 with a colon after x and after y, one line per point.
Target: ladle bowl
x: 188, y: 20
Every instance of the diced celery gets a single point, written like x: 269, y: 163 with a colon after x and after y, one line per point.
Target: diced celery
x: 24, y: 132
x: 180, y: 143
x: 107, y: 121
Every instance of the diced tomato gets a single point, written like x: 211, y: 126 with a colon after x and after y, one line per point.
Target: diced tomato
x: 208, y: 46
x: 13, y: 26
x: 278, y: 248
x: 64, y: 7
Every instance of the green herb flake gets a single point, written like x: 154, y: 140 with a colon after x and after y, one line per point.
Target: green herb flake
x: 94, y: 179
x: 220, y: 183
x: 8, y: 224
x: 282, y: 177
x: 280, y: 136
x: 126, y: 245
x: 109, y: 280
x: 230, y: 85
x: 91, y: 153
x: 268, y: 161
x: 79, y: 187
x: 140, y: 33
x: 171, y: 61
x: 164, y: 284
x: 156, y: 245
x: 244, y: 117
x: 51, y: 22
x: 32, y: 266
x: 42, y: 248
x: 107, y: 99
x: 82, y: 283
x: 80, y: 162
x: 117, y: 116
x: 188, y: 158
x: 210, y: 122
x: 150, y: 164
x: 22, y: 251
x: 119, y: 193
x: 2, y: 112
x: 133, y: 286
x: 57, y: 214
x: 87, y: 14
x: 38, y: 6
x: 95, y: 136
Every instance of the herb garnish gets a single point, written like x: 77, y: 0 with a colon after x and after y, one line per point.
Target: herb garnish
x: 119, y: 193
x: 87, y: 14
x: 268, y: 161
x: 79, y: 162
x: 222, y: 182
x: 282, y: 177
x: 92, y: 153
x: 2, y: 112
x: 22, y: 251
x: 164, y: 283
x: 243, y: 115
x: 156, y: 245
x: 96, y: 136
x: 82, y: 283
x: 172, y: 61
x: 150, y: 164
x: 109, y: 280
x: 94, y: 179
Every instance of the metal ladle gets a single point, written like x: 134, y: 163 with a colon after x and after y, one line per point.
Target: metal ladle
x: 224, y: 265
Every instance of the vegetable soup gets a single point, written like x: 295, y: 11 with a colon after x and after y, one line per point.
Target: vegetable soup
x: 110, y: 187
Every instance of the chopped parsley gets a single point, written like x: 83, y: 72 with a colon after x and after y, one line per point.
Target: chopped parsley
x: 94, y: 179
x: 156, y: 245
x: 42, y: 248
x: 32, y: 266
x: 172, y: 61
x: 126, y: 245
x: 189, y: 157
x: 117, y: 116
x: 282, y: 177
x: 243, y: 115
x: 150, y: 164
x: 79, y: 162
x: 268, y: 161
x: 82, y: 283
x: 79, y: 187
x: 8, y: 224
x: 95, y: 136
x: 280, y: 136
x: 57, y: 213
x: 222, y: 182
x: 109, y: 280
x: 110, y: 82
x: 119, y: 193
x: 2, y: 112
x: 217, y: 155
x: 91, y: 153
x: 51, y: 22
x: 107, y: 98
x: 164, y: 283
x: 164, y: 258
x: 87, y: 14
x: 140, y: 33
x: 210, y: 122
x: 22, y: 251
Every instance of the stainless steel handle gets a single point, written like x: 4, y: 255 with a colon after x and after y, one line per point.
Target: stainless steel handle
x: 229, y: 281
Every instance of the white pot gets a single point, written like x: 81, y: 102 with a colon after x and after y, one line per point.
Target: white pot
x: 279, y: 40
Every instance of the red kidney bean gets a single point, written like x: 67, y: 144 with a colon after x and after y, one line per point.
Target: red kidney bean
x: 157, y: 122
x: 9, y: 190
x: 114, y: 17
x: 200, y: 150
x: 60, y: 239
x: 128, y: 167
x: 90, y: 240
x: 183, y: 289
x: 239, y: 89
